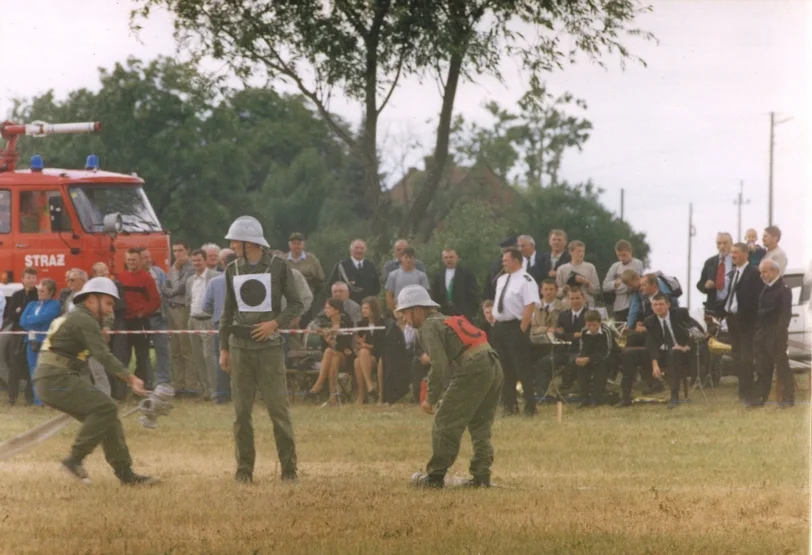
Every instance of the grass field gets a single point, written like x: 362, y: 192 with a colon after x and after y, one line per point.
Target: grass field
x: 705, y: 478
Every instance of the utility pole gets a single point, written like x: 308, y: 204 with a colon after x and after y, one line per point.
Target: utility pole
x: 739, y: 202
x: 773, y: 123
x: 691, y: 234
x: 622, y: 204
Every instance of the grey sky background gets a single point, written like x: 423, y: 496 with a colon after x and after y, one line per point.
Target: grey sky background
x: 685, y: 129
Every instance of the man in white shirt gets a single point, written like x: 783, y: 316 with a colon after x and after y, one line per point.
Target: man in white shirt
x: 202, y: 351
x: 772, y: 235
x: 613, y: 284
x: 517, y: 297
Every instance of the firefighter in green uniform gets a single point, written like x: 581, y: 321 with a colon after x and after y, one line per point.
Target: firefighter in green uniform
x: 454, y: 345
x: 250, y: 349
x: 60, y: 381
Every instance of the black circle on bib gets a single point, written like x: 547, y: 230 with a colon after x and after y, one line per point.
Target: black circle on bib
x: 252, y: 292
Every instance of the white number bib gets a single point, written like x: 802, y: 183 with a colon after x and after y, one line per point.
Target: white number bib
x: 253, y: 292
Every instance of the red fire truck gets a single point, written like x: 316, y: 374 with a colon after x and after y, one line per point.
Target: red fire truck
x: 57, y: 219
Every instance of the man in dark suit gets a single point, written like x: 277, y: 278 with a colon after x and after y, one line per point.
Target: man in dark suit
x: 549, y: 262
x: 772, y: 330
x: 741, y: 309
x: 532, y: 258
x: 360, y: 275
x: 714, y: 280
x: 668, y: 343
x: 571, y: 323
x: 454, y: 288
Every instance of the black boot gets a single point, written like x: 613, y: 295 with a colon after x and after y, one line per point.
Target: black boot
x: 244, y: 477
x: 421, y: 480
x: 130, y: 478
x: 76, y: 470
x: 481, y: 482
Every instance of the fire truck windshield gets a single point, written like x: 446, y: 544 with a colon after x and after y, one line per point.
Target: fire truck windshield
x: 94, y: 202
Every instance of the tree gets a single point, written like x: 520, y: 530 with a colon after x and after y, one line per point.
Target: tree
x: 363, y: 48
x: 478, y: 249
x: 358, y: 46
x: 524, y: 148
x: 577, y: 210
x: 468, y: 38
x: 205, y: 157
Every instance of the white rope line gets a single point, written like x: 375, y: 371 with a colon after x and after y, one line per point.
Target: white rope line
x: 328, y: 331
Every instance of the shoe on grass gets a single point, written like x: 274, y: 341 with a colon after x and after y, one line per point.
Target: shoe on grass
x: 420, y: 480
x: 75, y: 469
x: 244, y: 477
x: 130, y: 478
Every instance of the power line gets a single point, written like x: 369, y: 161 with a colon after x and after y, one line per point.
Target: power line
x: 739, y: 202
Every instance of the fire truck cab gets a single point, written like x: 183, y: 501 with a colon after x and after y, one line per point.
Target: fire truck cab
x: 58, y: 219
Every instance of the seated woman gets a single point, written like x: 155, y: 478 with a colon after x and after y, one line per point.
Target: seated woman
x: 336, y: 348
x: 369, y: 346
x: 37, y: 317
x: 397, y: 361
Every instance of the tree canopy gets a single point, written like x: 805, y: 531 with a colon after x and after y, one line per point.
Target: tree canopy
x: 363, y: 48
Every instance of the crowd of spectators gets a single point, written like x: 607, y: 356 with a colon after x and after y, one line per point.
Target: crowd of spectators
x: 555, y: 323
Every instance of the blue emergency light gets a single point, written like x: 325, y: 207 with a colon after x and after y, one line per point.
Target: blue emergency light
x: 36, y: 163
x: 92, y: 162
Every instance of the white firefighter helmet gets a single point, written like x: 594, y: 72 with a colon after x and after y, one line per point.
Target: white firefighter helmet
x: 415, y: 295
x: 248, y: 229
x: 99, y: 285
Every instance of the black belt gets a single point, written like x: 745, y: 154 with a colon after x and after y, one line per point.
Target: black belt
x: 508, y: 322
x: 176, y: 305
x: 244, y: 332
x: 201, y: 317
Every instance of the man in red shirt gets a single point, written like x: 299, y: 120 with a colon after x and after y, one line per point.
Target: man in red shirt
x: 141, y: 300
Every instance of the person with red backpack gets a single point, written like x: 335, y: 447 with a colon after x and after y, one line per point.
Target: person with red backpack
x: 461, y: 350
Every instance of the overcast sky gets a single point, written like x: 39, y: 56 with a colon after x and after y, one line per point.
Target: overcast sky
x: 688, y: 128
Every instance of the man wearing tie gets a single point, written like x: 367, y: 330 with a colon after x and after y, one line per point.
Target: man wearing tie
x: 714, y: 280
x: 772, y: 329
x: 532, y: 258
x: 668, y: 343
x: 360, y: 275
x: 741, y: 309
x: 517, y: 298
x: 454, y: 288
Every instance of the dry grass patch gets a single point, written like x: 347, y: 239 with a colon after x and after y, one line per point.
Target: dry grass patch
x: 704, y: 478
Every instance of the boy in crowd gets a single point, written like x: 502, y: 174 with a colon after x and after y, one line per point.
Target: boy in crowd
x: 578, y: 273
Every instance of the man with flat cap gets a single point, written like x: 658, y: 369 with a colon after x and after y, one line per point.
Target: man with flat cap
x: 305, y: 262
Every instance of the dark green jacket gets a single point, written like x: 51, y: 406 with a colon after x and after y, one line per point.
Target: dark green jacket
x: 443, y: 346
x: 76, y: 337
x: 282, y: 284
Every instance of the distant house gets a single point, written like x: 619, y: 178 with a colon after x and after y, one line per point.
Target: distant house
x: 458, y: 184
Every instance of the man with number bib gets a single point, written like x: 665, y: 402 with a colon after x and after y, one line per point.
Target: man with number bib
x: 250, y: 347
x: 454, y: 345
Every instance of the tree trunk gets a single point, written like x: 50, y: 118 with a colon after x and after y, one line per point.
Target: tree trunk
x: 422, y: 200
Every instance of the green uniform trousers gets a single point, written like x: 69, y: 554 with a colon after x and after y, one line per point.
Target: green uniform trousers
x: 262, y: 369
x: 469, y: 402
x: 97, y: 412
